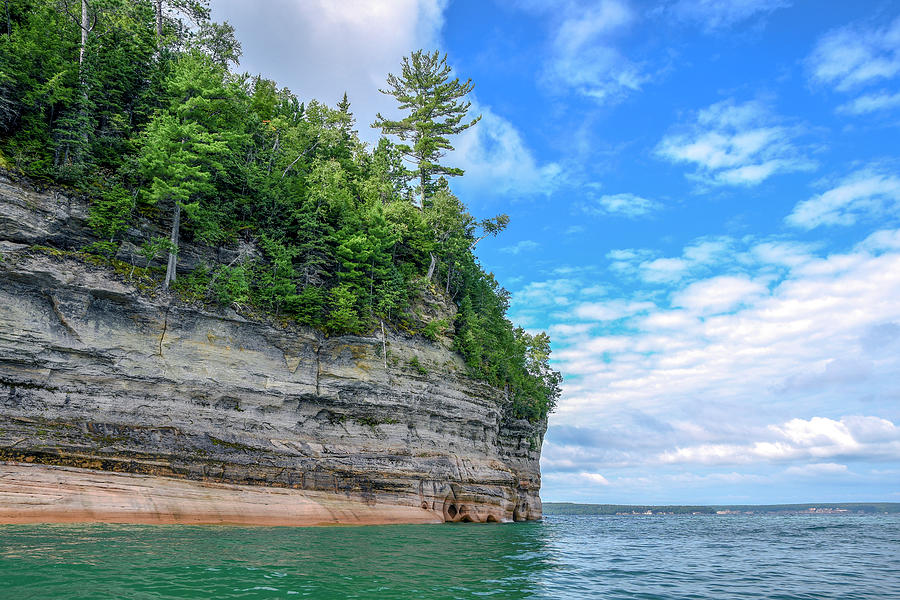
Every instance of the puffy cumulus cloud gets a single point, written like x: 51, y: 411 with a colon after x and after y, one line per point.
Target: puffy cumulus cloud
x: 869, y: 192
x: 787, y: 332
x: 497, y: 159
x: 697, y: 257
x: 595, y: 478
x: 856, y: 55
x: 719, y: 294
x: 625, y: 205
x: 735, y: 144
x: 320, y: 48
x: 664, y: 269
x: 779, y: 253
x: 715, y: 14
x: 584, y: 54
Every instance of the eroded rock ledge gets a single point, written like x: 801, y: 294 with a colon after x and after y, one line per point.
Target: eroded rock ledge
x: 94, y: 375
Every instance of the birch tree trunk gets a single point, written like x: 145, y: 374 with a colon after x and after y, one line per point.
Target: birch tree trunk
x: 432, y: 266
x: 173, y: 251
x: 85, y: 27
x: 159, y: 22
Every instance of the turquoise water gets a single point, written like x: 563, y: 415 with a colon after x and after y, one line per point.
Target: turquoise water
x: 654, y: 557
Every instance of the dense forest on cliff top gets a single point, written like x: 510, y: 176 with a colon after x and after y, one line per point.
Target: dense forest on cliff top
x: 136, y: 105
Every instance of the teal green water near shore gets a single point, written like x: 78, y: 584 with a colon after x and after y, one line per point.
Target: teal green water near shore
x: 658, y: 557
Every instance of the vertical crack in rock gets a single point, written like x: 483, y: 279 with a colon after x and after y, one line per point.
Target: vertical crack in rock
x: 162, y: 336
x: 318, y: 370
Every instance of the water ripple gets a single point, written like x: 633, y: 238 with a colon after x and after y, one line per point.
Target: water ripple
x: 794, y: 557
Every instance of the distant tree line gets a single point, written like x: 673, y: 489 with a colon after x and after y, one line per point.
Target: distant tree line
x: 572, y: 508
x: 135, y: 104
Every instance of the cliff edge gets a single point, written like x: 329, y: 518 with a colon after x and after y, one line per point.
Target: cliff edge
x: 121, y: 405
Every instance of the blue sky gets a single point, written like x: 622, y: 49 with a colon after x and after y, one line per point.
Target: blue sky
x: 705, y: 205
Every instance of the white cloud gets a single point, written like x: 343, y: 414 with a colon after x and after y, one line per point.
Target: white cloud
x: 696, y: 257
x: 854, y: 56
x: 793, y: 334
x: 584, y: 56
x: 518, y: 247
x: 868, y: 192
x: 625, y: 254
x: 496, y: 158
x: 871, y: 103
x: 321, y: 48
x: 626, y: 205
x: 595, y: 478
x: 570, y: 330
x: 546, y: 293
x: 735, y: 144
x: 817, y: 470
x: 609, y: 311
x: 802, y: 439
x: 781, y: 254
x: 664, y: 269
x: 718, y: 294
x: 716, y: 14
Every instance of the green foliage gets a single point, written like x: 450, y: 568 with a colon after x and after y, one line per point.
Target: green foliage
x: 154, y: 248
x: 193, y: 286
x: 419, y: 367
x: 434, y: 329
x: 110, y: 213
x: 102, y: 248
x: 342, y: 314
x: 151, y: 125
x: 435, y: 112
x: 231, y: 285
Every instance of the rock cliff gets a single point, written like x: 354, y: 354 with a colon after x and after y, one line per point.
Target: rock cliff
x: 193, y: 415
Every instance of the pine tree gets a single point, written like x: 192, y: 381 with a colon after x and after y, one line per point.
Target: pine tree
x: 436, y: 111
x: 185, y: 145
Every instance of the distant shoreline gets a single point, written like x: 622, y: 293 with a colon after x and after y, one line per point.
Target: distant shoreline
x: 817, y: 508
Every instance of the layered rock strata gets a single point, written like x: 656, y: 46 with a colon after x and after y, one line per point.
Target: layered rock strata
x: 102, y: 383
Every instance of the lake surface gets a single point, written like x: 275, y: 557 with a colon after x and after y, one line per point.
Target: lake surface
x: 646, y: 557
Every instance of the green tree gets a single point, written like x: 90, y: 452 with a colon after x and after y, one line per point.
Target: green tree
x: 186, y: 144
x: 218, y: 41
x: 436, y: 110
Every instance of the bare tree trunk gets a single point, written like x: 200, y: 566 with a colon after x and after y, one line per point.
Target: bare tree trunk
x: 383, y: 346
x: 422, y: 184
x: 170, y: 268
x: 85, y: 28
x: 432, y: 265
x: 8, y: 23
x: 159, y: 23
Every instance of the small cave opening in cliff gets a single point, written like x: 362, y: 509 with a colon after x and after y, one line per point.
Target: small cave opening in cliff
x: 451, y: 510
x: 492, y: 519
x: 467, y: 519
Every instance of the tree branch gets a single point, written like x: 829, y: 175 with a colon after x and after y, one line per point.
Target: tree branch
x: 307, y: 151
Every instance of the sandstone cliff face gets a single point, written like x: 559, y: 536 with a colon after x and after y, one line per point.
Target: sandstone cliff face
x: 95, y: 375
